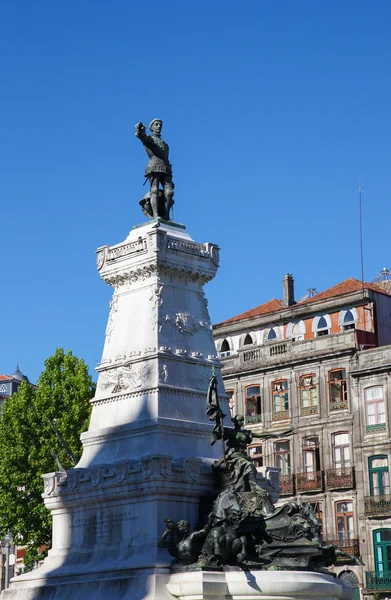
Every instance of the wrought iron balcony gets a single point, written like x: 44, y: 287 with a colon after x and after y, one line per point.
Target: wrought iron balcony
x: 280, y: 415
x: 378, y: 581
x: 253, y: 419
x: 376, y: 428
x: 306, y: 411
x: 287, y: 485
x: 350, y: 546
x: 341, y: 478
x: 338, y: 405
x: 309, y: 482
x: 377, y: 506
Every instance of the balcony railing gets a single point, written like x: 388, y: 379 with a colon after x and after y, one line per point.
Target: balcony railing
x: 350, y: 546
x: 280, y: 415
x: 375, y: 506
x: 376, y: 428
x: 378, y: 581
x: 253, y: 419
x: 287, y: 485
x: 306, y: 411
x: 338, y: 405
x: 278, y: 349
x: 309, y: 482
x: 341, y: 478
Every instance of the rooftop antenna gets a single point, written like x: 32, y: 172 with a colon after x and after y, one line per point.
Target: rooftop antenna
x: 360, y: 193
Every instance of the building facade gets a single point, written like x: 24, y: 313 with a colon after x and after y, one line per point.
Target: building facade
x: 10, y: 383
x: 322, y: 367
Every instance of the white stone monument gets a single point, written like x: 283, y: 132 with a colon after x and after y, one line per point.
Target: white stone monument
x: 147, y: 452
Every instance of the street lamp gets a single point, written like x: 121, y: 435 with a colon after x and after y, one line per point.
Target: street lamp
x: 7, y: 543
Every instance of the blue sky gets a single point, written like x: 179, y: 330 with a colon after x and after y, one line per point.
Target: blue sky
x: 271, y: 110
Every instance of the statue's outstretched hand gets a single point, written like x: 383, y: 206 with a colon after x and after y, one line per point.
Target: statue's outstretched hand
x: 140, y: 129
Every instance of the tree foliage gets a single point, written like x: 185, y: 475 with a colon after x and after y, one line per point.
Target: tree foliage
x: 29, y: 443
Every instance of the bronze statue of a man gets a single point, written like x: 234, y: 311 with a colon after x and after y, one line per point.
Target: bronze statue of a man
x: 157, y: 202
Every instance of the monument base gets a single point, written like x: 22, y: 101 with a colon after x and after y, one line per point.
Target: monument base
x: 236, y: 584
x: 142, y: 584
x: 158, y: 584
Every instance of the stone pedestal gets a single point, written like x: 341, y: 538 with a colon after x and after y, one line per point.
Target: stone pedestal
x: 147, y: 451
x: 235, y: 584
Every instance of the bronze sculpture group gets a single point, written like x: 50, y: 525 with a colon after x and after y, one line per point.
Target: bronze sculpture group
x: 243, y: 528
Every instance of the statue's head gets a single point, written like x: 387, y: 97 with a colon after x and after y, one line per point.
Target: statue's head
x: 238, y: 420
x: 183, y: 526
x: 156, y: 126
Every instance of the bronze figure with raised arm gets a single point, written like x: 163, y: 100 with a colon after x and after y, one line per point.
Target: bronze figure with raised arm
x: 158, y: 201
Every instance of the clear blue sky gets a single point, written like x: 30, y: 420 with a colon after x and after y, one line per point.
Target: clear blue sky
x: 271, y: 110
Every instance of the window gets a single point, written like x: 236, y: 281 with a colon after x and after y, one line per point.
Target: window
x: 282, y: 457
x: 225, y: 349
x: 311, y: 456
x: 253, y: 404
x: 271, y: 335
x: 308, y: 394
x: 280, y: 396
x: 379, y: 479
x: 349, y: 321
x: 374, y: 402
x: 318, y: 510
x: 344, y: 522
x: 341, y: 450
x: 338, y: 390
x: 322, y: 327
x: 382, y: 550
x: 231, y: 400
x: 248, y: 340
x: 296, y: 330
x: 3, y: 388
x: 256, y: 454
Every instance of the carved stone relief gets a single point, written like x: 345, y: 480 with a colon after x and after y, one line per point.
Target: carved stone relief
x: 123, y: 378
x: 113, y: 309
x: 163, y: 373
x: 192, y: 468
x: 49, y: 483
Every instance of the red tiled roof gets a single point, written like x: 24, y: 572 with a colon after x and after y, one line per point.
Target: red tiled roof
x: 2, y: 377
x: 262, y: 309
x: 349, y: 286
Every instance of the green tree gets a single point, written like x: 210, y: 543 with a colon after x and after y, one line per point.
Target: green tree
x: 39, y: 428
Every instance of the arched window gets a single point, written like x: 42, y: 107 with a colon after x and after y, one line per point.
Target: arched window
x: 322, y: 328
x: 248, y: 340
x: 225, y: 346
x: 296, y: 330
x: 348, y: 321
x: 225, y: 349
x: 271, y: 335
x: 351, y: 580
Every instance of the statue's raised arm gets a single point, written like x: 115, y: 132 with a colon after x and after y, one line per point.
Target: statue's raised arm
x: 158, y: 201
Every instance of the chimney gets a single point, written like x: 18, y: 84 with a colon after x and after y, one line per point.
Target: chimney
x: 289, y: 290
